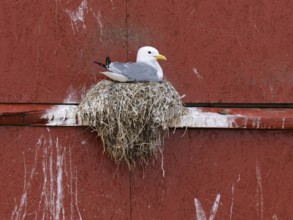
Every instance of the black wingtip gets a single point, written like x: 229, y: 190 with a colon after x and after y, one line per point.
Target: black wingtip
x: 107, y: 63
x: 101, y: 64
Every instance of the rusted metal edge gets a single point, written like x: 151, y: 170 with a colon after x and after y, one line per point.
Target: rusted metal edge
x: 203, y: 117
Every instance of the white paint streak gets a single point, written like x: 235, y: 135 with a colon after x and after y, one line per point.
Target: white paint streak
x: 99, y: 19
x: 272, y: 90
x: 62, y: 115
x: 199, y: 76
x: 78, y: 15
x: 162, y: 164
x: 200, y: 213
x: 238, y: 179
x: 37, y: 62
x: 66, y: 115
x: 53, y: 165
x: 76, y: 198
x: 83, y: 91
x: 59, y: 167
x: 71, y: 186
x: 283, y: 123
x: 51, y: 192
x: 56, y: 8
x: 245, y: 122
x: 20, y: 212
x: 275, y: 217
x: 215, y: 207
x: 198, y: 118
x: 112, y: 3
x: 259, y: 192
x: 44, y: 196
x: 233, y: 195
x: 232, y: 202
x: 100, y: 23
x: 72, y: 96
x: 256, y: 122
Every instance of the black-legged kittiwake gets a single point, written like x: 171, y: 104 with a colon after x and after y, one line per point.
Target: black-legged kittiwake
x: 146, y: 67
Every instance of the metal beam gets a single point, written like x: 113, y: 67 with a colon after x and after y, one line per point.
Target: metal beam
x: 201, y: 117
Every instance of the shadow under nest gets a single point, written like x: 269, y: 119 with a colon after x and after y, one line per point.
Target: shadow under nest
x: 132, y: 119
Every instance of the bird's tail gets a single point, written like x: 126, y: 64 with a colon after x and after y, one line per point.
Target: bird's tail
x: 107, y: 63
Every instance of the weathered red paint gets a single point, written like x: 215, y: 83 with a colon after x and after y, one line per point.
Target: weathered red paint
x: 267, y: 118
x: 91, y: 185
x: 223, y: 51
x: 199, y: 164
x: 220, y: 51
x: 47, y: 56
x: 204, y: 163
x: 22, y: 114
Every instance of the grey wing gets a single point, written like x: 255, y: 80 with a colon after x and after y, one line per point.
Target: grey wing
x: 135, y: 71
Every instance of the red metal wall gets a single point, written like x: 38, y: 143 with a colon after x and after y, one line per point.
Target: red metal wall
x: 251, y: 171
x: 218, y: 51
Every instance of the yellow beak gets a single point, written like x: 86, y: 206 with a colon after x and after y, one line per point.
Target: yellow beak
x: 161, y: 57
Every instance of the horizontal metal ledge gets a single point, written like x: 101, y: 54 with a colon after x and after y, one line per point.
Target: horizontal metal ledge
x: 201, y: 117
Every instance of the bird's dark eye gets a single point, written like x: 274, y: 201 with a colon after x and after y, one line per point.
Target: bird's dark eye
x: 149, y: 52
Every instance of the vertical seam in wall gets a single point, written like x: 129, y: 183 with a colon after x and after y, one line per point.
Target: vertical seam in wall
x: 126, y: 27
x: 127, y: 58
x: 130, y: 194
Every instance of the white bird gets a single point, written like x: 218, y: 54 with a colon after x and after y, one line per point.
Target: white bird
x: 146, y: 67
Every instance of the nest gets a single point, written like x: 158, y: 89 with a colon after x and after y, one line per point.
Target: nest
x: 132, y: 119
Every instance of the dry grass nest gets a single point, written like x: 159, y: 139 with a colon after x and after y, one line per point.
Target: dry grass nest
x: 132, y: 119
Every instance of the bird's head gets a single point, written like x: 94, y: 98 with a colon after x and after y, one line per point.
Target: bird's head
x: 147, y: 53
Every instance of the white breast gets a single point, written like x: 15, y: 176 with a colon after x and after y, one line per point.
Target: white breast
x: 160, y: 71
x: 116, y: 76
